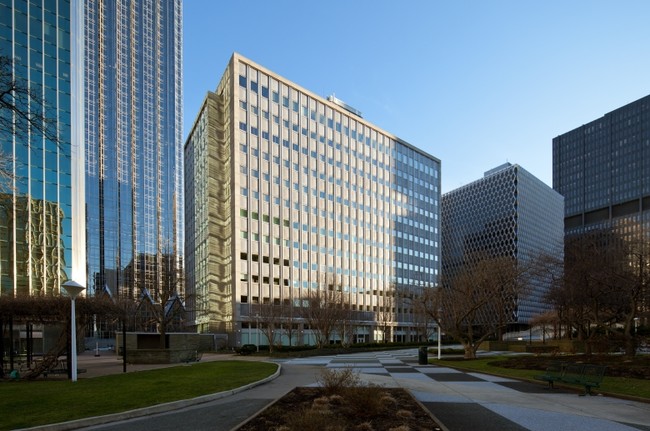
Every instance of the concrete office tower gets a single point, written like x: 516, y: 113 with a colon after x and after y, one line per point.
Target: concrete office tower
x: 285, y: 189
x: 41, y: 219
x: 133, y: 144
x: 507, y: 213
x: 603, y: 171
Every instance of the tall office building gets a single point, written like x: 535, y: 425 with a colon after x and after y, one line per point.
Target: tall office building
x: 507, y: 213
x: 133, y: 146
x: 603, y: 171
x: 285, y: 189
x: 41, y: 219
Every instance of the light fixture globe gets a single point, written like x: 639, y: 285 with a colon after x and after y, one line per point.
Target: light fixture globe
x: 72, y: 288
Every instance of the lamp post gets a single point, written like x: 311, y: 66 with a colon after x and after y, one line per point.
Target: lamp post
x: 257, y: 338
x: 73, y: 289
x: 439, y: 341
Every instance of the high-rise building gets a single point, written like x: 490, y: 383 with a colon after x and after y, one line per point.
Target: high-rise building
x: 133, y: 146
x: 41, y: 217
x: 603, y: 171
x: 286, y: 189
x: 507, y: 213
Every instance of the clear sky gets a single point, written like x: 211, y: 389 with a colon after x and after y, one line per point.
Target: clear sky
x: 474, y: 83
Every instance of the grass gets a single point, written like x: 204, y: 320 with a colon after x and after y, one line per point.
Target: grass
x: 26, y: 404
x: 621, y: 386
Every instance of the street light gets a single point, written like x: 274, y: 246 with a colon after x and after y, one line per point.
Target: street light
x: 73, y: 289
x: 257, y: 319
x: 439, y: 341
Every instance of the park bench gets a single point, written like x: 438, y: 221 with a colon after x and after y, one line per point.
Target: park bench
x: 587, y: 375
x: 552, y: 374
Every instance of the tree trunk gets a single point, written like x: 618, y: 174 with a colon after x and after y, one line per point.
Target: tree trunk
x: 470, y: 351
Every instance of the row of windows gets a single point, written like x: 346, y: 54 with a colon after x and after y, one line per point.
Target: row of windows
x: 414, y: 160
x: 410, y: 190
x: 399, y: 168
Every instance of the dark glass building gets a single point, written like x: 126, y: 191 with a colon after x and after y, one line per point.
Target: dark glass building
x: 603, y: 171
x: 507, y: 213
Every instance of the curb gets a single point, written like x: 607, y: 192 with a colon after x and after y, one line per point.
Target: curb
x: 146, y: 411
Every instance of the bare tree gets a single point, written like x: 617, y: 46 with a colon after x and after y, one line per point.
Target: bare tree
x: 269, y: 318
x: 290, y: 321
x: 325, y: 312
x: 162, y: 309
x: 477, y: 302
x: 423, y: 312
x: 546, y: 320
x: 385, y: 315
x: 604, y: 287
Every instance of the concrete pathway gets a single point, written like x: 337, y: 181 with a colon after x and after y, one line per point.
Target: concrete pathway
x: 473, y: 401
x: 461, y: 401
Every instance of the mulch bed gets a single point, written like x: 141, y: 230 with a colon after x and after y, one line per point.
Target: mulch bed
x: 353, y: 409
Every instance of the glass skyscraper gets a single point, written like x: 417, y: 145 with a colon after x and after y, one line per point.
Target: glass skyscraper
x: 41, y: 218
x: 285, y: 189
x: 507, y: 213
x: 603, y: 171
x: 133, y: 146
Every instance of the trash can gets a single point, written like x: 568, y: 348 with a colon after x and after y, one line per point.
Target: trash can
x: 423, y: 355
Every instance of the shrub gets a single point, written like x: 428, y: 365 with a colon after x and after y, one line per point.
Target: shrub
x: 335, y: 381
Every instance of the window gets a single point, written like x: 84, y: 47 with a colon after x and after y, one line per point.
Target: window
x: 242, y: 81
x: 254, y: 86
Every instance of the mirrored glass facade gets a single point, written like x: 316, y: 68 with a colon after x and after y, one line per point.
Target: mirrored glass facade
x: 284, y: 188
x: 133, y: 145
x: 36, y: 202
x: 507, y: 213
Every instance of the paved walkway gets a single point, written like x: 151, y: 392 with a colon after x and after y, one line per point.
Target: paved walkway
x: 473, y: 401
x: 461, y: 401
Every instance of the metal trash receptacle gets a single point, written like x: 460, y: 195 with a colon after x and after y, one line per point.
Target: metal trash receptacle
x: 423, y: 355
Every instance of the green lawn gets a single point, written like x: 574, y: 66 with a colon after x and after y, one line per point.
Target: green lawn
x: 25, y: 404
x: 622, y: 386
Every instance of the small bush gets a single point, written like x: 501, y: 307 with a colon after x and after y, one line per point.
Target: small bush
x: 336, y: 381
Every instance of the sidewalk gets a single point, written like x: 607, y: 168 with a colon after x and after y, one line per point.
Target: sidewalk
x: 460, y: 400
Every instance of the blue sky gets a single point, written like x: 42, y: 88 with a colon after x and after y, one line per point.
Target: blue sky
x: 474, y: 83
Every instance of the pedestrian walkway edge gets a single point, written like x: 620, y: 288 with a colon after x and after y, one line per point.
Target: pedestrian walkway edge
x: 145, y: 411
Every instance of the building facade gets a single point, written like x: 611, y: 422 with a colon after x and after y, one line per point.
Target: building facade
x: 507, y: 213
x: 133, y: 146
x: 287, y: 192
x: 41, y: 219
x: 603, y: 171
